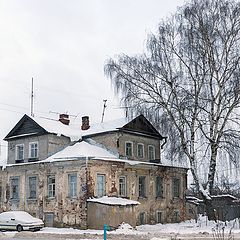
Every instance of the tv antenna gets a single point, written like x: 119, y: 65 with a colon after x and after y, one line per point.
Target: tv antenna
x: 32, y: 95
x: 104, y: 107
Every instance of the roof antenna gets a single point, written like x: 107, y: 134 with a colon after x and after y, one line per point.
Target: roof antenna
x: 104, y: 107
x: 32, y: 114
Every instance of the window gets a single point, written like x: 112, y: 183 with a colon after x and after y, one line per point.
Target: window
x: 19, y: 152
x: 128, y: 149
x: 142, y: 186
x: 51, y: 186
x: 140, y: 150
x: 1, y: 192
x: 32, y: 187
x: 159, y: 217
x: 122, y: 186
x: 151, y: 152
x: 176, y: 187
x: 72, y: 185
x: 159, y: 186
x: 33, y: 150
x: 15, y: 188
x: 176, y: 216
x: 101, y: 181
x: 142, y: 218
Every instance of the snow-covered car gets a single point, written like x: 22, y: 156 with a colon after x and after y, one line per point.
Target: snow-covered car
x: 19, y: 220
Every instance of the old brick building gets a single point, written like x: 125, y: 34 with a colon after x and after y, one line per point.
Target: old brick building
x: 87, y: 175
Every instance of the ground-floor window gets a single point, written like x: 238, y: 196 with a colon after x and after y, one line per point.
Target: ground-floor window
x: 142, y: 218
x: 32, y: 187
x: 101, y: 182
x: 159, y: 217
x: 51, y: 186
x: 72, y: 185
x: 15, y: 188
x: 176, y: 216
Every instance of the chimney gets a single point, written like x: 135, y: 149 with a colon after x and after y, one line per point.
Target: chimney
x: 64, y: 118
x: 85, y: 123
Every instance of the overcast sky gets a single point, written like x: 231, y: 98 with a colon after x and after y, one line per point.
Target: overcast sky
x: 63, y: 45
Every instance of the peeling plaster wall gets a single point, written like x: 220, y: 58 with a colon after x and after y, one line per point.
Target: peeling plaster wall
x: 48, y: 144
x: 149, y: 205
x: 66, y: 210
x: 115, y: 142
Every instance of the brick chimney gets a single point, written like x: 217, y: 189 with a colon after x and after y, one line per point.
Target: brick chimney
x: 64, y: 118
x: 85, y: 123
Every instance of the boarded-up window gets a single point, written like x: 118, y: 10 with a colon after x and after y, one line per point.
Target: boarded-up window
x: 101, y: 182
x: 72, y: 185
x: 49, y: 219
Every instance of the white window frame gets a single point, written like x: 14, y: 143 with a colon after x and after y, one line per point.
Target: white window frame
x: 126, y: 149
x: 154, y: 152
x: 124, y: 194
x: 16, y: 151
x: 51, y: 187
x: 29, y: 152
x: 157, y: 216
x: 140, y: 144
x: 72, y: 186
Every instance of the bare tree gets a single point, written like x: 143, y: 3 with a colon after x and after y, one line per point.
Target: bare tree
x: 189, y: 77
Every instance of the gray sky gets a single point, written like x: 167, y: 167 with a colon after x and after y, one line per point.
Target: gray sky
x: 63, y: 45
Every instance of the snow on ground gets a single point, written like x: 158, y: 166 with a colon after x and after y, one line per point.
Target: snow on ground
x: 187, y: 227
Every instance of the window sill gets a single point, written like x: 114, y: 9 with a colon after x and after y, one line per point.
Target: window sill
x: 15, y: 200
x: 142, y: 198
x: 19, y: 161
x: 32, y: 159
x: 51, y: 198
x: 32, y: 199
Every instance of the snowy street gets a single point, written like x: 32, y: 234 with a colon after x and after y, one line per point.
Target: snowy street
x: 189, y: 230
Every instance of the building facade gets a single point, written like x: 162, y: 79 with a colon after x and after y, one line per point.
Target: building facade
x: 56, y: 171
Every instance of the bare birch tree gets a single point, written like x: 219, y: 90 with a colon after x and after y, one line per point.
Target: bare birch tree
x: 189, y: 75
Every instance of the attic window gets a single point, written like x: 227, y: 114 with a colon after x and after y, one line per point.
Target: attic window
x: 19, y: 152
x: 128, y: 149
x: 33, y: 150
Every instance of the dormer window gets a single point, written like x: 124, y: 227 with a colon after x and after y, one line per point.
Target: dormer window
x: 128, y: 149
x: 19, y: 149
x: 33, y: 150
x: 151, y: 152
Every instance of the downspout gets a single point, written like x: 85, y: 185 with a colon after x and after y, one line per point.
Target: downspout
x: 165, y: 141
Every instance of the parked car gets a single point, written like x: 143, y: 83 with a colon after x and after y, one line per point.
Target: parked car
x: 19, y: 220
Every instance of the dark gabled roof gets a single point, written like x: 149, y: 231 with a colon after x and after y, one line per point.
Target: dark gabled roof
x: 141, y: 125
x: 38, y: 126
x: 26, y: 126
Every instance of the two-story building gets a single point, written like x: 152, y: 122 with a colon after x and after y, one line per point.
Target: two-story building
x: 86, y: 175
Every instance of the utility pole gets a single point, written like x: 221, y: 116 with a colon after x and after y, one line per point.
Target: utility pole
x: 104, y: 107
x: 32, y: 114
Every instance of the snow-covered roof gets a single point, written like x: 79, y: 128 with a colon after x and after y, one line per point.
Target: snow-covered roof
x: 74, y: 131
x: 224, y: 196
x: 80, y: 150
x: 113, y: 201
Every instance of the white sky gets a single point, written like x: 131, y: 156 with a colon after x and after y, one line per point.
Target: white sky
x: 63, y: 45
